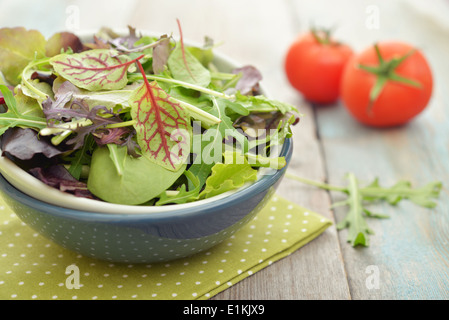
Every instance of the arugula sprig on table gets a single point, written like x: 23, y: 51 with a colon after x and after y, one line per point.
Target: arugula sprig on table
x: 358, y: 197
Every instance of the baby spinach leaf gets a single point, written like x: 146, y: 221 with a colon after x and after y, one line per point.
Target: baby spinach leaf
x: 140, y: 181
x: 162, y: 126
x: 98, y: 69
x: 117, y: 158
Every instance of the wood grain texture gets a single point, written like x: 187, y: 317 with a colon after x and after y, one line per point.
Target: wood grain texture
x: 410, y: 250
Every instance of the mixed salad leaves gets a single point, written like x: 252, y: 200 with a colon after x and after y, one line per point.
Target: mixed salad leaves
x: 134, y: 119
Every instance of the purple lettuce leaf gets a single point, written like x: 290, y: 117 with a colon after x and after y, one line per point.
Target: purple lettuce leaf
x: 57, y: 176
x: 63, y: 41
x: 249, y: 82
x: 161, y: 52
x: 127, y: 41
x: 24, y: 144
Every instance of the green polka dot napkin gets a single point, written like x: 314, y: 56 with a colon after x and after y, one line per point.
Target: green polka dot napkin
x: 33, y: 267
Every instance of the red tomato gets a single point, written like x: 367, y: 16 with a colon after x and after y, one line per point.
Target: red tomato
x: 314, y: 65
x: 397, y: 101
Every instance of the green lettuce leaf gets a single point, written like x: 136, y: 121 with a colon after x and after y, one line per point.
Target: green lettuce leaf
x: 19, y: 46
x: 228, y: 176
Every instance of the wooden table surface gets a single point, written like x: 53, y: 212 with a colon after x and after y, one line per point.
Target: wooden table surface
x: 409, y: 253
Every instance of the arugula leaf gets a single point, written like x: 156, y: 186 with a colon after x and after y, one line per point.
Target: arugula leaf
x: 226, y: 126
x: 211, y: 141
x: 358, y: 230
x: 15, y: 117
x: 403, y: 190
x: 81, y: 157
x: 354, y: 221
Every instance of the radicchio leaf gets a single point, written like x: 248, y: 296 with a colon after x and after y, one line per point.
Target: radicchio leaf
x: 162, y: 126
x: 94, y: 70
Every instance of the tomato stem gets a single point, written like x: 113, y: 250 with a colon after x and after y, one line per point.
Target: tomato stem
x: 385, y: 72
x: 323, y: 38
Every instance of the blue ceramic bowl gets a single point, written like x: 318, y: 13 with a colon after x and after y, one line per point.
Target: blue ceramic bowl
x: 177, y: 232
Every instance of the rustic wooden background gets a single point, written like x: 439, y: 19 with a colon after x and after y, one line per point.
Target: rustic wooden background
x: 409, y: 250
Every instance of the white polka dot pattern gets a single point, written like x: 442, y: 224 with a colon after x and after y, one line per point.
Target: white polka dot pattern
x: 33, y: 267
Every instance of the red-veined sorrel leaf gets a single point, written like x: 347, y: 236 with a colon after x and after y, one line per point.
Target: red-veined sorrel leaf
x: 99, y: 69
x: 162, y: 126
